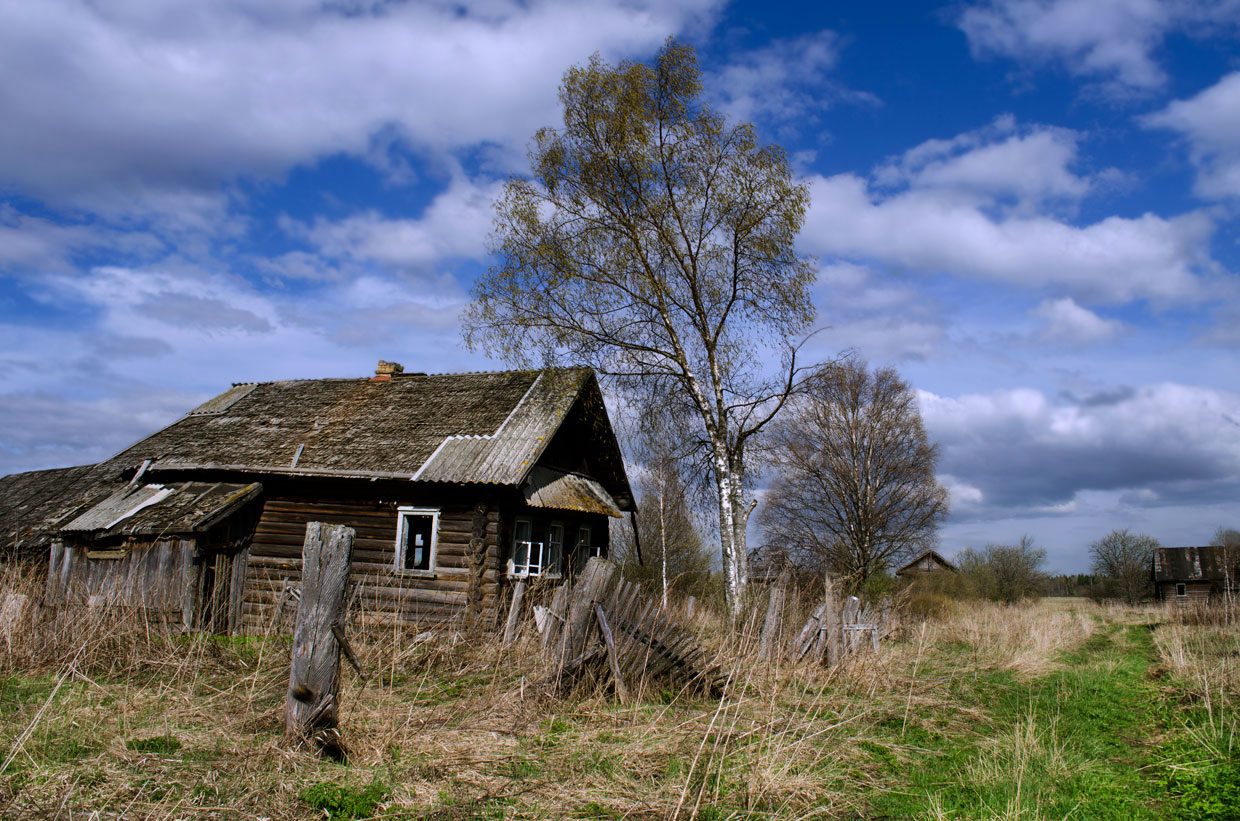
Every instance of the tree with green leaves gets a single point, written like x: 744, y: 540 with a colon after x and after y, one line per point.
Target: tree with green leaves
x: 1123, y: 560
x: 655, y: 242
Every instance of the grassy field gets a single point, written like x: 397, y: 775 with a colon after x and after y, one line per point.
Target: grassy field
x: 1060, y: 709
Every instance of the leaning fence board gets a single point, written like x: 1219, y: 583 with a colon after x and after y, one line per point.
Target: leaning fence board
x: 648, y: 643
x: 514, y: 613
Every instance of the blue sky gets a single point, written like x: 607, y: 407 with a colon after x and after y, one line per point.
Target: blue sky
x: 1027, y: 206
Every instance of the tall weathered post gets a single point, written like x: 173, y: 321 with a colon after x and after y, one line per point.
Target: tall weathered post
x: 310, y: 709
x: 831, y: 624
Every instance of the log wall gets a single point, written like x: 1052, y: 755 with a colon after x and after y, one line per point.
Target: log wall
x: 378, y: 593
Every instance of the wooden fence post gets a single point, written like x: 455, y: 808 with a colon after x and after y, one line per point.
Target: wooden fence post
x: 310, y: 708
x: 831, y: 624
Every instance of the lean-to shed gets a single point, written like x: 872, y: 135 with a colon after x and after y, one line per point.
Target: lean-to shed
x: 454, y: 483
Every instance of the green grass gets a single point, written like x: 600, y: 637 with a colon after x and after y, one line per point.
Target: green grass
x: 1071, y: 743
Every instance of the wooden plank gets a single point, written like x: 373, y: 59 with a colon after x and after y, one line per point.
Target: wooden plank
x: 622, y: 691
x: 594, y: 585
x: 190, y: 585
x: 514, y: 613
x: 771, y: 625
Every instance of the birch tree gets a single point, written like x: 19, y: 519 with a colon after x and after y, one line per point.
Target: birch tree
x: 655, y: 242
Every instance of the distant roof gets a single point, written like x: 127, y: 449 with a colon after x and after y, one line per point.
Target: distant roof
x: 487, y: 428
x: 1207, y: 563
x: 933, y: 555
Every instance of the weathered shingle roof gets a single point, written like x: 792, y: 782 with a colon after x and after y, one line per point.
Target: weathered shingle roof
x: 488, y: 428
x: 158, y: 509
x: 1185, y: 564
x: 366, y: 427
x: 31, y: 502
x: 568, y: 491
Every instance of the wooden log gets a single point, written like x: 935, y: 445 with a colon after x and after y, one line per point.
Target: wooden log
x: 314, y: 677
x: 514, y: 613
x: 613, y: 659
x: 771, y: 626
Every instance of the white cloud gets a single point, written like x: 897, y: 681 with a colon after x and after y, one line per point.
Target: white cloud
x: 1029, y: 165
x: 454, y: 226
x: 1110, y: 41
x: 1210, y: 122
x: 1065, y: 321
x: 785, y: 80
x: 863, y: 310
x: 160, y: 96
x: 1117, y: 259
x: 963, y: 495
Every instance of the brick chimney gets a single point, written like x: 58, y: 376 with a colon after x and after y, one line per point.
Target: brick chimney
x: 385, y: 369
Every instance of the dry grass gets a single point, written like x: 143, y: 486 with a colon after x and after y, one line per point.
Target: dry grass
x: 114, y: 712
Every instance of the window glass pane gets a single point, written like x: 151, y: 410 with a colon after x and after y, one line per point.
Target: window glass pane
x: 419, y: 530
x: 520, y: 546
x: 581, y: 549
x: 555, y: 548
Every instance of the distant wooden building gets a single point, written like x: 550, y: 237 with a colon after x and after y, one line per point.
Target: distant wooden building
x: 1195, y: 574
x: 928, y: 561
x: 454, y: 483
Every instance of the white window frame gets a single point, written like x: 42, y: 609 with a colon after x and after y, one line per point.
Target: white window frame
x: 1181, y: 590
x: 542, y: 548
x: 402, y: 513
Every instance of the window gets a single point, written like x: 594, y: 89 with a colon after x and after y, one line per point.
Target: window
x: 534, y: 557
x: 527, y: 554
x: 416, y: 539
x: 1181, y: 589
x: 582, y: 550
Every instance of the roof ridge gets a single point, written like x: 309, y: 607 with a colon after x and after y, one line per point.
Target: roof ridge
x: 410, y: 374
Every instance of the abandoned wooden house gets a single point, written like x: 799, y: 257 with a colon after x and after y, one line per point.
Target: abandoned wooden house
x: 1186, y: 575
x: 928, y: 561
x: 455, y: 485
